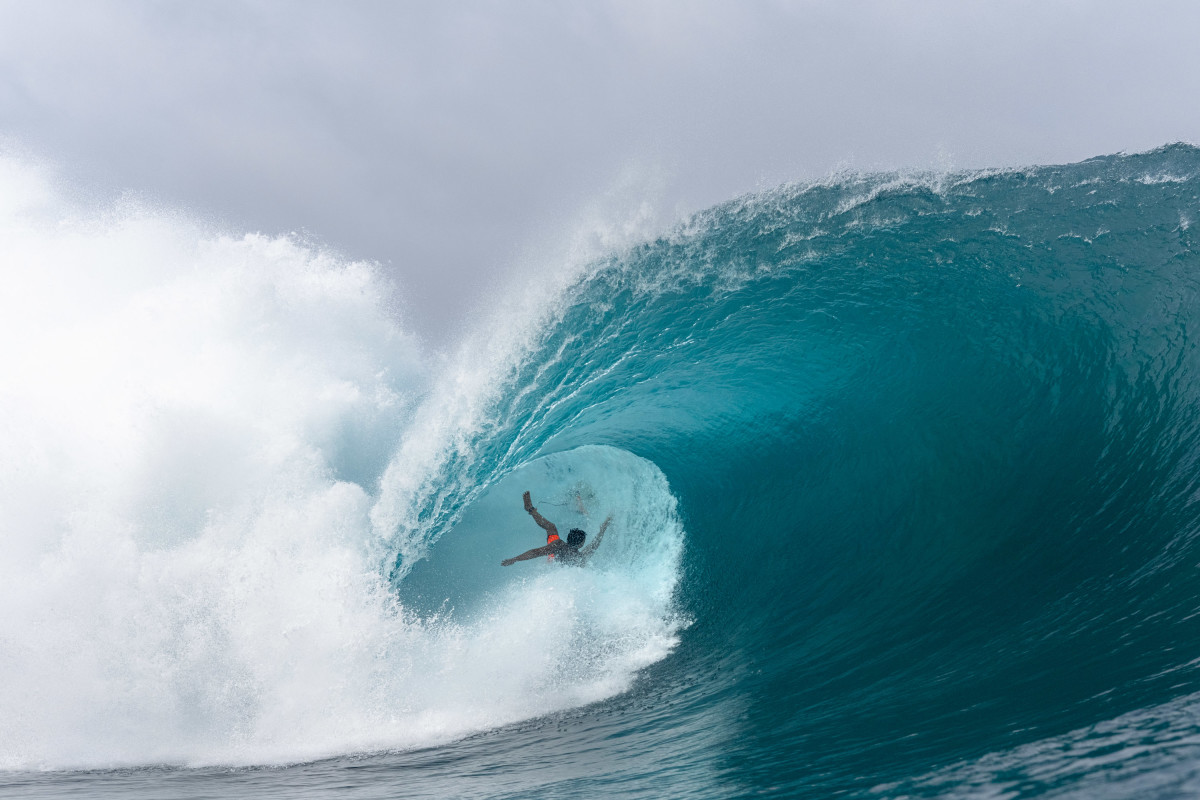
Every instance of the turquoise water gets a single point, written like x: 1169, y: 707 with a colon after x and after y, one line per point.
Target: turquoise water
x: 903, y: 478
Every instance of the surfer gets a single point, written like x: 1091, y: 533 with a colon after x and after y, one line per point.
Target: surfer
x: 571, y: 551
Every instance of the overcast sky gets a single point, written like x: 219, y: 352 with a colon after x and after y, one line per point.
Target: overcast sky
x: 450, y: 141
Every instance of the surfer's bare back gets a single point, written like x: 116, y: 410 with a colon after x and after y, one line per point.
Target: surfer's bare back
x: 571, y: 551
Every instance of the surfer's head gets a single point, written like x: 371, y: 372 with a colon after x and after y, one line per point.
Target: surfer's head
x: 575, y: 538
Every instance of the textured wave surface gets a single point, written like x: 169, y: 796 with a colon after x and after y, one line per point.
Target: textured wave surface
x: 902, y: 470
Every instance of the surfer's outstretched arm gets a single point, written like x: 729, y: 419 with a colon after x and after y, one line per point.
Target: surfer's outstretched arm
x: 528, y: 554
x: 542, y: 522
x: 590, y: 548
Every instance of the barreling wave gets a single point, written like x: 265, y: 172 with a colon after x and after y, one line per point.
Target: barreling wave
x: 903, y: 471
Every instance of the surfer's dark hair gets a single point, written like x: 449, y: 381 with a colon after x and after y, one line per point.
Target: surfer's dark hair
x: 575, y: 537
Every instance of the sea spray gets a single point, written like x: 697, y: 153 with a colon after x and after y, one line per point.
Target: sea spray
x: 196, y: 427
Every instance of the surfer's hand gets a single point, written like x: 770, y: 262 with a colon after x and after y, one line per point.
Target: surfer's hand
x: 507, y: 562
x: 528, y: 503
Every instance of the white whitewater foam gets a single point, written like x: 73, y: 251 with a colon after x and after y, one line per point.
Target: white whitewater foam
x: 193, y: 429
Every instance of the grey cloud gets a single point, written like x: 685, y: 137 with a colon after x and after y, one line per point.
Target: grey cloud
x: 440, y: 139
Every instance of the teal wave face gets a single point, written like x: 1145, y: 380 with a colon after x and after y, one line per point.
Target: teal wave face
x: 933, y: 443
x: 902, y: 473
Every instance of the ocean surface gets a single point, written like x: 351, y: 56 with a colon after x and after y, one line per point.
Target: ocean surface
x: 904, y: 473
